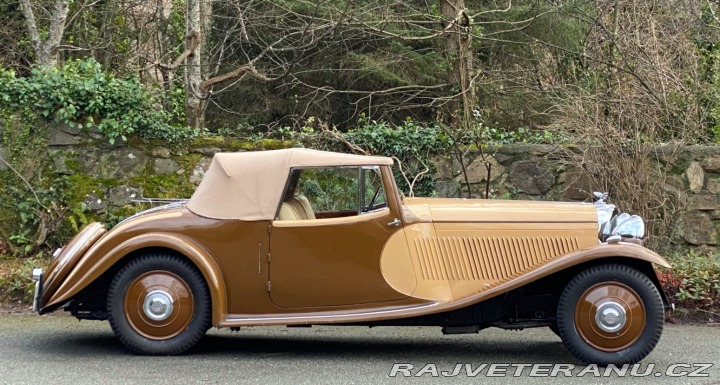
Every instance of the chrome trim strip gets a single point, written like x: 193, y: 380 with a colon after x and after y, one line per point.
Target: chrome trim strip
x: 309, y: 318
x: 514, y: 221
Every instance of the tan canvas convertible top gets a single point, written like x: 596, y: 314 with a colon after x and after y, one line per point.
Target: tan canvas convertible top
x: 248, y: 185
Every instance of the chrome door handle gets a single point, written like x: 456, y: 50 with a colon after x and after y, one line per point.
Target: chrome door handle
x: 395, y: 222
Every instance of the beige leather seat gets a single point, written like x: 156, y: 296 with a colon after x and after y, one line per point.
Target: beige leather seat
x: 296, y: 208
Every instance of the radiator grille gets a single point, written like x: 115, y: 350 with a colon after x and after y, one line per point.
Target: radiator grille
x: 487, y: 258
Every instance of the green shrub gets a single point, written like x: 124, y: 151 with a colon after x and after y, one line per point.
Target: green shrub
x: 79, y: 92
x: 693, y: 281
x: 16, y: 284
x: 411, y: 143
x: 45, y: 219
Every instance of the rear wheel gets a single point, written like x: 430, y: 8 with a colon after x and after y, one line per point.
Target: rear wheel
x: 159, y: 304
x: 610, y: 314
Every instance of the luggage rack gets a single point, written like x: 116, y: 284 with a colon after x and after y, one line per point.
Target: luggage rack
x: 157, y: 202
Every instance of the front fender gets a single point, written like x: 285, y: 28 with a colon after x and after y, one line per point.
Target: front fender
x: 620, y: 249
x: 102, y: 256
x: 575, y: 258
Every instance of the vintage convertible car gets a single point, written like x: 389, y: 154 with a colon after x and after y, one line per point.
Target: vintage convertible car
x: 304, y: 237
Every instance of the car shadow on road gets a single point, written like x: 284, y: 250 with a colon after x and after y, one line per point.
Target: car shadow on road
x: 466, y: 348
x: 311, y: 346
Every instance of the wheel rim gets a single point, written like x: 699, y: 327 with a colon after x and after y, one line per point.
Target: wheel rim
x: 159, y: 305
x: 610, y: 316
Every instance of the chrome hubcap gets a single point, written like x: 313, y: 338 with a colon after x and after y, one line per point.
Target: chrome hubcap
x: 158, y: 305
x: 610, y: 317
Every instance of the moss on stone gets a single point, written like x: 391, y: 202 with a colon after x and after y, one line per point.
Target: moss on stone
x: 235, y: 144
x: 81, y: 185
x: 187, y: 163
x: 170, y: 186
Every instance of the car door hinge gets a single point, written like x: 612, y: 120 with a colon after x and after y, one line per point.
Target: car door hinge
x: 268, y: 257
x: 268, y: 286
x: 269, y: 228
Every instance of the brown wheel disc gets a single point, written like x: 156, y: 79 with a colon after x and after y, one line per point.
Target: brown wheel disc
x: 610, y: 316
x: 159, y: 305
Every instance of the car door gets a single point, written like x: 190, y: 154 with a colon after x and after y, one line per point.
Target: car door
x: 326, y: 244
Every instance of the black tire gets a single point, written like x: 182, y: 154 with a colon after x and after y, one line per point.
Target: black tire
x: 177, y: 292
x: 554, y: 329
x: 643, y: 308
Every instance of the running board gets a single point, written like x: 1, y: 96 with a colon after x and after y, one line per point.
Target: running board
x: 319, y: 318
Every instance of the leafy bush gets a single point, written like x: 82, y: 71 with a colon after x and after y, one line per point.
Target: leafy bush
x: 694, y: 281
x: 413, y: 144
x: 15, y: 282
x: 79, y: 92
x: 44, y: 219
x: 38, y: 209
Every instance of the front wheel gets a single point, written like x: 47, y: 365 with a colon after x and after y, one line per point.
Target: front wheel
x: 610, y: 314
x: 159, y: 304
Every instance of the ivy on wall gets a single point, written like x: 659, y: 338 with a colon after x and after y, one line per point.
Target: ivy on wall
x: 80, y: 93
x: 411, y: 143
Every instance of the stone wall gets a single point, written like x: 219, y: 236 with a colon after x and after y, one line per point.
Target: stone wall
x: 112, y: 176
x: 541, y: 172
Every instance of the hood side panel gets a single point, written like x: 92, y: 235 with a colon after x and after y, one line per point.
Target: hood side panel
x: 461, y: 247
x: 499, y: 211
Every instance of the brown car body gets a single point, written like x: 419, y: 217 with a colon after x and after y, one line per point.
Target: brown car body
x: 414, y: 261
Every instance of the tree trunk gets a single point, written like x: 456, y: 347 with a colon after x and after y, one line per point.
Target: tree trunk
x: 458, y: 40
x: 46, y: 51
x: 611, y: 67
x: 197, y: 21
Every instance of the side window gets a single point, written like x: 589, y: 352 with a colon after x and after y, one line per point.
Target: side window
x: 332, y: 192
x: 374, y: 191
x: 330, y: 189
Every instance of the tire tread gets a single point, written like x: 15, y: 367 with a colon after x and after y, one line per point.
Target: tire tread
x: 573, y: 341
x: 178, y: 344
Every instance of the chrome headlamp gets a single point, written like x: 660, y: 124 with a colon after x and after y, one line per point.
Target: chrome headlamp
x: 605, y: 211
x: 629, y: 226
x: 613, y: 226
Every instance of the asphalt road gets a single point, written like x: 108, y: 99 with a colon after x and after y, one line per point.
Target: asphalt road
x: 61, y: 350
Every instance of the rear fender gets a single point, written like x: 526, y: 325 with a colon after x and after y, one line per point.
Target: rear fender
x: 96, y: 262
x: 63, y: 263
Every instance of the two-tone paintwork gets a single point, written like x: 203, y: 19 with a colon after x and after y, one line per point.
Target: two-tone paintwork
x: 442, y: 254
